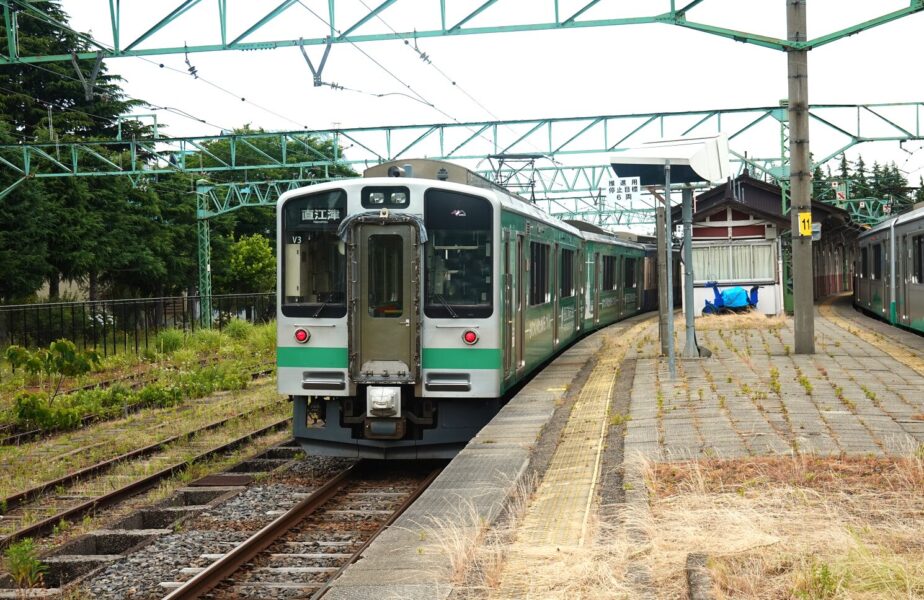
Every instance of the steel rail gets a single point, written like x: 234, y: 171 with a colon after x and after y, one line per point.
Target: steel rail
x: 394, y: 516
x: 228, y: 564
x: 125, y: 492
x: 16, y: 500
x: 231, y: 562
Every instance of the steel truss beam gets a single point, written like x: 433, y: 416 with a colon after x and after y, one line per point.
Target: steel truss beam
x: 341, y: 23
x: 835, y: 128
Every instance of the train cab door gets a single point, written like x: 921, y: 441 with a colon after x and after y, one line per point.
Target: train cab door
x: 511, y: 339
x: 555, y: 271
x: 385, y: 322
x: 598, y: 272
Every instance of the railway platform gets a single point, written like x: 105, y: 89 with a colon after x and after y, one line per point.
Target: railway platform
x: 559, y: 466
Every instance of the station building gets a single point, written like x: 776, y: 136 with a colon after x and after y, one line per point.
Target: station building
x: 742, y: 238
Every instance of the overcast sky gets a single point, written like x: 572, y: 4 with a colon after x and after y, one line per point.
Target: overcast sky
x: 592, y: 71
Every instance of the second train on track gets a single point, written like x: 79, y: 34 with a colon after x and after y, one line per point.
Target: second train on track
x: 412, y: 300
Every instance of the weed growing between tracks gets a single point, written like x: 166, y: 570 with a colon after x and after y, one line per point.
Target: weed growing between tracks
x: 178, y: 366
x: 795, y: 527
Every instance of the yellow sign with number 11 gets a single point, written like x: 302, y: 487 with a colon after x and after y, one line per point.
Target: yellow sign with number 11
x: 805, y: 223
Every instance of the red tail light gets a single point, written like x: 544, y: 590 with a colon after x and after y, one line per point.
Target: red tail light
x: 302, y: 336
x: 470, y: 337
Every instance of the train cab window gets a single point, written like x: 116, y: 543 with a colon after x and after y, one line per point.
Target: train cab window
x: 566, y: 274
x: 864, y: 262
x: 314, y: 258
x: 630, y: 279
x: 458, y: 256
x: 538, y: 274
x: 609, y: 273
x: 386, y: 280
x: 877, y: 262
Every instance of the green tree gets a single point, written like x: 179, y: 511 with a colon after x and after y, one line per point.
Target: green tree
x: 861, y: 186
x: 252, y: 266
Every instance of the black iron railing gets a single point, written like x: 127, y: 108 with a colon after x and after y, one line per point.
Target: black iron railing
x: 127, y: 325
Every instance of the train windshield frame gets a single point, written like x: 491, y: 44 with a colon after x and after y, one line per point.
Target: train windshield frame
x: 313, y: 257
x: 458, y: 256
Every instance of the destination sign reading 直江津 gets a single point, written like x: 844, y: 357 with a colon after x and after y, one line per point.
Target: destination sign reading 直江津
x: 321, y: 214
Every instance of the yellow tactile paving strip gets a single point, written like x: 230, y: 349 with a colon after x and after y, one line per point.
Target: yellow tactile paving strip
x: 557, y: 517
x: 896, y: 350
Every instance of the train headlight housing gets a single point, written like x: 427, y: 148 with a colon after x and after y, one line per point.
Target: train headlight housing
x: 470, y: 337
x: 302, y: 336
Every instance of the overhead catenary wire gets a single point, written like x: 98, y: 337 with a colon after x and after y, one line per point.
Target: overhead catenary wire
x: 173, y: 110
x: 192, y: 71
x: 410, y: 88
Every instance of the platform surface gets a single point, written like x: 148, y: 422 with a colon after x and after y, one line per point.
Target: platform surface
x: 861, y: 393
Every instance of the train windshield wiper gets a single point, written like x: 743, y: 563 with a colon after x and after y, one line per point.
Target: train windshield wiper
x: 320, y: 308
x: 446, y: 304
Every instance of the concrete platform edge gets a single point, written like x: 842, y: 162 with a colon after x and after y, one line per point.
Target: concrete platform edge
x: 416, y: 559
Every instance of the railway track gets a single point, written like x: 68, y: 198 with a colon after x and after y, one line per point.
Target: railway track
x: 11, y: 437
x: 39, y: 510
x: 305, y: 549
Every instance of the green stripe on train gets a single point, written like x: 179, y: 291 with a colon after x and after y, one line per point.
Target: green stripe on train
x: 461, y: 358
x: 321, y: 358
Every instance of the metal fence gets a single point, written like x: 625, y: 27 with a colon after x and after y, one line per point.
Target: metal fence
x: 130, y: 325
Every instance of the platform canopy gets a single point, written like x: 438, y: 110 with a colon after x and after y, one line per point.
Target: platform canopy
x: 692, y: 159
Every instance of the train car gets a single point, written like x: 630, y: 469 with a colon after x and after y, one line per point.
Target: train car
x: 889, y: 273
x: 412, y: 300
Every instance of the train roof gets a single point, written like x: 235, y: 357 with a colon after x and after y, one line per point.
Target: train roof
x: 427, y: 171
x: 911, y: 215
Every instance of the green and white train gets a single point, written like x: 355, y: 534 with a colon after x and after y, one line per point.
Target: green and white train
x: 411, y: 301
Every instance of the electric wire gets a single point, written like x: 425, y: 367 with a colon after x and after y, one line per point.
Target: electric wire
x: 176, y: 111
x: 421, y: 98
x: 195, y: 75
x: 427, y: 59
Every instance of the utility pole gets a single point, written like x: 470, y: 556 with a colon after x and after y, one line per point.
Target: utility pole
x: 662, y: 277
x: 691, y: 348
x: 800, y: 174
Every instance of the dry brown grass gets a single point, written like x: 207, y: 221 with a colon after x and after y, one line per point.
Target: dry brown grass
x: 749, y: 320
x: 796, y: 527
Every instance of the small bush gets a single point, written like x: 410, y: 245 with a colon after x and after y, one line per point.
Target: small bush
x: 169, y: 341
x: 22, y: 562
x: 160, y: 396
x: 263, y: 339
x: 205, y: 340
x: 238, y: 329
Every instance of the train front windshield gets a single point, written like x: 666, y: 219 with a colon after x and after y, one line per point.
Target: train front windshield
x: 314, y: 258
x: 457, y: 259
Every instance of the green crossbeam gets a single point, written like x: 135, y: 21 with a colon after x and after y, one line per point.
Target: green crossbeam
x: 546, y: 138
x: 332, y: 26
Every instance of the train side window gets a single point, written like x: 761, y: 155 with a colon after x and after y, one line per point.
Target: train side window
x: 609, y: 273
x: 917, y: 252
x: 630, y: 280
x: 538, y: 273
x: 566, y: 277
x: 864, y: 262
x: 877, y: 262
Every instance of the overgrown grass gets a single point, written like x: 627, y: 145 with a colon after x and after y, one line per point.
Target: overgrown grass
x: 796, y: 527
x: 176, y: 359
